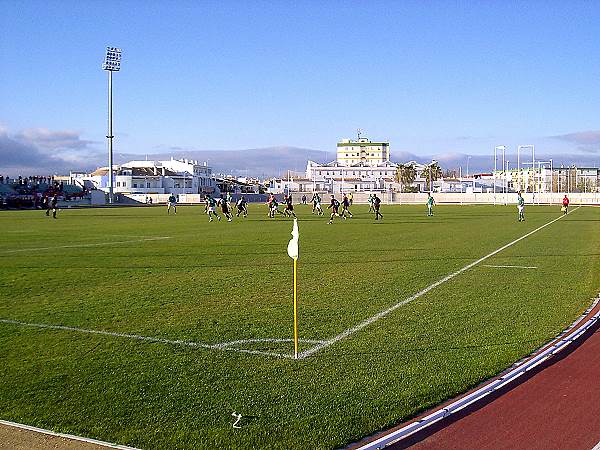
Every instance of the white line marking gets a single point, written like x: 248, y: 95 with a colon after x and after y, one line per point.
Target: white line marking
x: 557, y: 345
x: 344, y: 334
x: 85, y: 245
x: 512, y: 267
x: 65, y: 436
x: 223, y: 346
x: 597, y: 447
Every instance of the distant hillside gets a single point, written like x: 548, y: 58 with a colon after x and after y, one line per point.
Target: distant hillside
x: 270, y: 161
x: 275, y: 161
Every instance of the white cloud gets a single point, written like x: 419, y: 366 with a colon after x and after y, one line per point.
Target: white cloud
x: 40, y: 150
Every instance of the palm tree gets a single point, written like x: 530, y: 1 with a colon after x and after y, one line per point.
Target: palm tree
x: 436, y: 173
x: 405, y: 175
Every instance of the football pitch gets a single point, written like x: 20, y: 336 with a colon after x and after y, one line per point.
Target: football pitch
x: 146, y: 329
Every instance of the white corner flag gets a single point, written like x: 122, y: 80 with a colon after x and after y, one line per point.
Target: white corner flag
x: 293, y: 252
x: 293, y: 244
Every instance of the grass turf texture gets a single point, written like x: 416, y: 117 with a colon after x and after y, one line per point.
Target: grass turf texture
x: 218, y: 282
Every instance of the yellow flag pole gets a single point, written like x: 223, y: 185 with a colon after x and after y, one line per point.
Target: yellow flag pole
x: 295, y: 311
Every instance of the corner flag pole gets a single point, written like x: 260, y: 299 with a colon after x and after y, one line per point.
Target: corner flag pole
x: 295, y: 311
x: 293, y: 253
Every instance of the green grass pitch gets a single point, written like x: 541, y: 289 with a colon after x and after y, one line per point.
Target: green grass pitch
x: 140, y: 272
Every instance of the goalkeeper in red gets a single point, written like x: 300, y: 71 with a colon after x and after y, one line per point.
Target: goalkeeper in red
x: 565, y: 206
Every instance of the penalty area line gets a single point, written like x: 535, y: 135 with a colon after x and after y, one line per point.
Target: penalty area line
x: 344, y: 334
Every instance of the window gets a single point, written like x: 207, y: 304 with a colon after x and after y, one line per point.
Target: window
x: 134, y: 185
x: 147, y: 185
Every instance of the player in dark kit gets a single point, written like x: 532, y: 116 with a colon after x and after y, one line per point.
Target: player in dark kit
x: 172, y: 203
x: 273, y: 208
x: 376, y: 205
x: 289, y: 207
x: 334, y: 205
x: 52, y: 206
x: 225, y: 208
x: 241, y: 207
x: 345, y: 207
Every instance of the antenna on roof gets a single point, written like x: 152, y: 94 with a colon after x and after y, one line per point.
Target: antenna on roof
x: 359, y: 132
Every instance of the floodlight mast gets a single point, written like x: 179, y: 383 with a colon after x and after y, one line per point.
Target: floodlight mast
x: 112, y: 63
x: 526, y: 147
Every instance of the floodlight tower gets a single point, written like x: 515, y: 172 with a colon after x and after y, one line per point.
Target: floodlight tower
x: 112, y: 63
x: 525, y: 147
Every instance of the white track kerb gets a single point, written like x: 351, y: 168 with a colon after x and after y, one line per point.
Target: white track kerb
x: 235, y: 346
x: 567, y: 337
x: 65, y: 436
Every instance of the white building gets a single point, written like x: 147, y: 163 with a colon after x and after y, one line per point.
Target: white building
x: 153, y: 177
x: 361, y: 165
x: 362, y: 152
x: 549, y: 179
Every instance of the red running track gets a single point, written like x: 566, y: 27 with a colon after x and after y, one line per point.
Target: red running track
x: 555, y: 408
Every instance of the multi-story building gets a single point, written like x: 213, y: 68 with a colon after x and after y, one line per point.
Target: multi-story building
x: 362, y: 152
x: 361, y: 165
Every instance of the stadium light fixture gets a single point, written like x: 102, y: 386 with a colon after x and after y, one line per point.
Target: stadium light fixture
x: 525, y: 147
x: 551, y: 180
x: 506, y: 173
x: 112, y: 63
x: 496, y: 148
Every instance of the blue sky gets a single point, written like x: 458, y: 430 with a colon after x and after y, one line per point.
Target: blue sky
x: 429, y: 76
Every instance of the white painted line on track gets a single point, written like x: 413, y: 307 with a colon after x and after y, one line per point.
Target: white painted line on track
x: 159, y: 238
x: 597, y: 447
x: 223, y: 346
x: 63, y: 435
x: 510, y: 267
x: 344, y: 334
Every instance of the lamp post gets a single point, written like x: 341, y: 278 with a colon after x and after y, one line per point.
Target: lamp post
x: 496, y: 148
x: 112, y: 63
x: 524, y: 147
x: 506, y: 179
x: 551, y: 180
